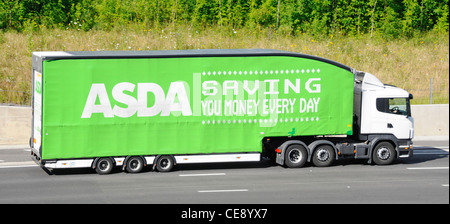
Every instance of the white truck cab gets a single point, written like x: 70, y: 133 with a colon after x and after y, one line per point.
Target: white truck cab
x: 385, y: 109
x: 383, y: 113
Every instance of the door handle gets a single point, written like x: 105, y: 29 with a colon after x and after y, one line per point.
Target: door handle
x: 389, y: 125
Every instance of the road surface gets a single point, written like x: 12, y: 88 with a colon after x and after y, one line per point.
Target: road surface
x: 421, y: 179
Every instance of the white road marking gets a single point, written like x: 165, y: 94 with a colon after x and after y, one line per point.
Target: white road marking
x: 5, y: 165
x: 202, y: 174
x: 430, y: 152
x: 417, y: 147
x: 9, y: 147
x: 428, y: 168
x: 445, y: 185
x: 220, y: 191
x: 19, y: 166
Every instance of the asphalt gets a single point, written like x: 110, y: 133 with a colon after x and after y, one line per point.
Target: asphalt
x: 422, y: 179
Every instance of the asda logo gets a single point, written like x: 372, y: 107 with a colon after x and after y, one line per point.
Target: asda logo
x: 175, y: 100
x: 38, y: 88
x: 210, y: 98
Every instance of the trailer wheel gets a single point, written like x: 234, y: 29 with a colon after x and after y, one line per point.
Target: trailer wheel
x: 324, y: 155
x: 104, y: 166
x: 164, y: 163
x: 383, y: 153
x: 135, y: 164
x: 296, y: 156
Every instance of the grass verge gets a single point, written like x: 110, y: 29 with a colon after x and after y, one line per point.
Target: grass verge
x: 406, y: 63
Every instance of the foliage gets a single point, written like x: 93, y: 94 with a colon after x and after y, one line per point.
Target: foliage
x: 408, y: 63
x: 387, y: 18
x: 404, y: 42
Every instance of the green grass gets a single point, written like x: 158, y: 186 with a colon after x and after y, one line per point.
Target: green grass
x: 406, y: 63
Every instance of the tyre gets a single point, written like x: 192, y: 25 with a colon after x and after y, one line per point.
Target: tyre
x: 295, y: 156
x: 324, y: 155
x: 134, y: 164
x: 383, y: 153
x: 104, y: 166
x: 164, y: 164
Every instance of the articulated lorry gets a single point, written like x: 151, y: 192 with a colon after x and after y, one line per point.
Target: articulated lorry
x: 133, y: 109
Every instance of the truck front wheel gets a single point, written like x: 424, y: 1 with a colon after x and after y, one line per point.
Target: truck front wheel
x: 296, y: 156
x: 383, y: 153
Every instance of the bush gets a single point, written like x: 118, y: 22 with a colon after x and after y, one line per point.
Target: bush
x: 389, y: 18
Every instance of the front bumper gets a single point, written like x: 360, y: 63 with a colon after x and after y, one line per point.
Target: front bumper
x: 405, y: 149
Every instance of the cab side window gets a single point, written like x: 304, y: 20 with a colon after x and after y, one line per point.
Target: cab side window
x: 383, y: 105
x: 398, y: 106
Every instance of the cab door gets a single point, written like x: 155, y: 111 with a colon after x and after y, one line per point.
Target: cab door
x: 393, y: 117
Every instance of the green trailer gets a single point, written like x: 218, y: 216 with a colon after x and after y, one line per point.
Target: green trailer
x: 162, y: 108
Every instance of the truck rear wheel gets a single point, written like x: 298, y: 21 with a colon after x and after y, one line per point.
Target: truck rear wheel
x: 135, y: 164
x: 104, y: 166
x: 324, y: 155
x: 164, y: 163
x: 296, y: 156
x: 383, y: 153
